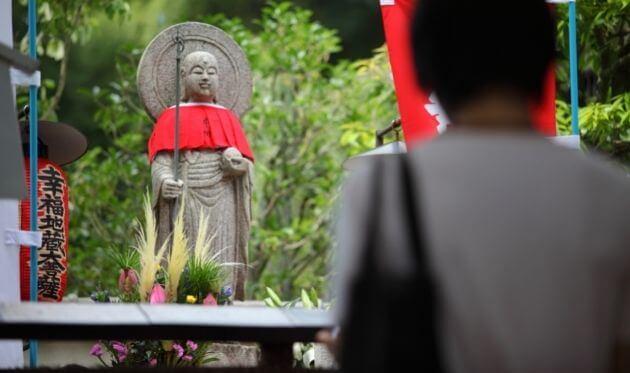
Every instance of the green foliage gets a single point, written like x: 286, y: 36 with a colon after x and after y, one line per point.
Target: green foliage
x: 294, y: 128
x: 273, y: 300
x: 303, y: 109
x: 604, y: 78
x: 603, y: 48
x: 369, y: 100
x: 607, y: 124
x: 108, y: 183
x: 603, y: 126
x: 64, y: 21
x: 200, y: 278
x: 307, y: 299
x: 62, y: 24
x: 126, y: 259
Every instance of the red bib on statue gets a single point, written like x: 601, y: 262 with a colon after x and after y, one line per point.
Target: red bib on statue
x: 201, y: 126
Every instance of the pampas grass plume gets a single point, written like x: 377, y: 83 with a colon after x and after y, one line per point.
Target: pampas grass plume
x: 146, y: 240
x: 178, y: 257
x: 202, y: 244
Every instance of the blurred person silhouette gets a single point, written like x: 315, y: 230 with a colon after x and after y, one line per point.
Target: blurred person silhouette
x: 488, y: 249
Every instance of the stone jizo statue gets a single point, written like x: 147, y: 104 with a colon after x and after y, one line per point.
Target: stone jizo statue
x: 215, y: 167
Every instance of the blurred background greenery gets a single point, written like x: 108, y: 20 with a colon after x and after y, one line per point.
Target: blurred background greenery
x: 322, y: 84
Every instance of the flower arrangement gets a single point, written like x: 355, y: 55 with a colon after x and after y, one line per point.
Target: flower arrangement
x: 150, y: 274
x: 152, y: 353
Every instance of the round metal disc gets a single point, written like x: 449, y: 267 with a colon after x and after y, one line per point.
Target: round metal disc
x: 156, y: 71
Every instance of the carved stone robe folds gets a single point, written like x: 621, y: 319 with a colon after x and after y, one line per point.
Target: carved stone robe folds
x: 210, y: 186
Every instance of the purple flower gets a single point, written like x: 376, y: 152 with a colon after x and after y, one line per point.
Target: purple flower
x: 179, y: 349
x: 153, y: 362
x: 226, y: 291
x: 191, y: 345
x: 119, y: 347
x: 121, y: 350
x: 187, y: 357
x: 96, y: 350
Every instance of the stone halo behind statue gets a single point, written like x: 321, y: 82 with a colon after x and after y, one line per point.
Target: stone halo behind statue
x: 156, y: 70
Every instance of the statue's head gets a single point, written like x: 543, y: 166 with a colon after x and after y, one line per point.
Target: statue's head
x: 200, y: 77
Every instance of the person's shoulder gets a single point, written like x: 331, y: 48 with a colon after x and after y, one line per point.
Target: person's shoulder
x: 520, y: 149
x: 532, y: 157
x: 605, y: 167
x: 603, y: 173
x: 594, y: 168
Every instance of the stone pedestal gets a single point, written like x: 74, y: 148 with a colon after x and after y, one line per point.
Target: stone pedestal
x: 235, y: 355
x: 323, y: 358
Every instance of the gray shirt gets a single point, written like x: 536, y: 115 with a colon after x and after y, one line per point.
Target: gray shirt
x: 529, y: 244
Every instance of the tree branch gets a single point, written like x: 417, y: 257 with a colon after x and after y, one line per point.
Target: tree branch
x: 61, y: 85
x: 63, y: 67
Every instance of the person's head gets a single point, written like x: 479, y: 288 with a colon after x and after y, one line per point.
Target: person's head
x: 465, y: 49
x: 200, y: 76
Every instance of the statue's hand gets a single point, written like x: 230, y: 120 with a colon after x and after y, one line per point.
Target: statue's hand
x: 233, y: 163
x: 172, y: 188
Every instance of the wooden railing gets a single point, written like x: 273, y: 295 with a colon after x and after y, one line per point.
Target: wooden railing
x: 275, y: 329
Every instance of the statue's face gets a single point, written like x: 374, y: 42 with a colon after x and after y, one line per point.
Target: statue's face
x: 200, y: 77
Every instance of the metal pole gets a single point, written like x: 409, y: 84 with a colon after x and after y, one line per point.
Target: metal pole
x: 573, y: 64
x: 33, y: 156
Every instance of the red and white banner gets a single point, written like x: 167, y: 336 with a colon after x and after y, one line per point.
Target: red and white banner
x: 53, y: 218
x: 420, y: 114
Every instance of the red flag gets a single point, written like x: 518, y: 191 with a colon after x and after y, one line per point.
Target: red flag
x: 420, y: 114
x: 544, y: 115
x: 417, y: 123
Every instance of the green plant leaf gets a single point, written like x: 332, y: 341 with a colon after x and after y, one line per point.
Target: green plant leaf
x: 306, y: 302
x: 274, y: 297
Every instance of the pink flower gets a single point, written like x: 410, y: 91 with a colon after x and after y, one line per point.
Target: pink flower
x: 209, y: 300
x: 121, y: 350
x: 191, y: 345
x: 127, y: 280
x: 153, y: 362
x: 96, y: 350
x: 119, y: 347
x: 158, y: 295
x: 187, y: 357
x: 179, y: 349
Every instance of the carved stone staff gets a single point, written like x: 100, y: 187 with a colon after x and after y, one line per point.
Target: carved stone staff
x: 179, y: 42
